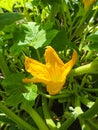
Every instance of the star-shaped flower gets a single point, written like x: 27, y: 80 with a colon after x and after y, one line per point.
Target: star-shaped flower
x: 53, y: 73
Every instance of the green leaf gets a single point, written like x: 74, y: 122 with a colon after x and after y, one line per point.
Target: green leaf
x: 50, y: 34
x: 14, y: 99
x: 14, y: 88
x: 30, y: 95
x: 32, y: 92
x: 8, y: 4
x: 93, y: 37
x: 4, y: 118
x: 34, y: 36
x: 31, y: 34
x: 60, y: 41
x: 8, y: 18
x: 15, y: 49
x: 94, y: 42
x: 13, y: 82
x: 94, y: 47
x: 28, y: 34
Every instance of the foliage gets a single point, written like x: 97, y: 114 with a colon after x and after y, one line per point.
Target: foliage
x: 26, y: 28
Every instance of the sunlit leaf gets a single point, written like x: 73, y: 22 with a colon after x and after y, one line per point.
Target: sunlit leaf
x: 29, y: 34
x: 32, y: 92
x: 8, y: 4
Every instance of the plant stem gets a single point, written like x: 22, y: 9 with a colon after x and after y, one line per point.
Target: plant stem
x: 64, y: 95
x: 3, y: 66
x: 48, y: 119
x: 36, y: 117
x: 78, y: 109
x: 16, y: 118
x: 84, y: 124
x: 92, y: 90
x: 38, y: 54
x: 92, y: 123
x: 68, y: 122
x: 71, y: 119
x: 90, y: 112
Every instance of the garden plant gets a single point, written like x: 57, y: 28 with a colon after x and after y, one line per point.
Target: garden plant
x: 48, y: 64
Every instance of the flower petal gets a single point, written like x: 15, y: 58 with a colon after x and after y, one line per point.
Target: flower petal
x: 37, y: 69
x: 54, y: 88
x: 36, y: 80
x: 54, y: 63
x: 26, y: 80
x: 51, y: 57
x: 68, y: 66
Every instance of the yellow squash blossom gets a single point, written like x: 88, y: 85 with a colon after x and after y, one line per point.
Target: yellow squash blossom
x: 53, y: 73
x: 88, y: 3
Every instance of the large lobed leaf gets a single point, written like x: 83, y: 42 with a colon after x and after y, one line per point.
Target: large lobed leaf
x: 30, y: 34
x: 17, y: 92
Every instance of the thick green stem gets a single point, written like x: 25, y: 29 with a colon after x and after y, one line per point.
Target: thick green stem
x: 91, y: 68
x: 16, y: 118
x: 3, y: 66
x: 48, y: 119
x: 73, y: 117
x: 68, y: 122
x: 92, y: 123
x: 36, y: 117
x: 84, y: 125
x: 78, y: 109
x: 90, y: 112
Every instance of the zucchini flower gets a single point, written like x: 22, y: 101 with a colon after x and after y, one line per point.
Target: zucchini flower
x: 53, y: 73
x: 88, y: 3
